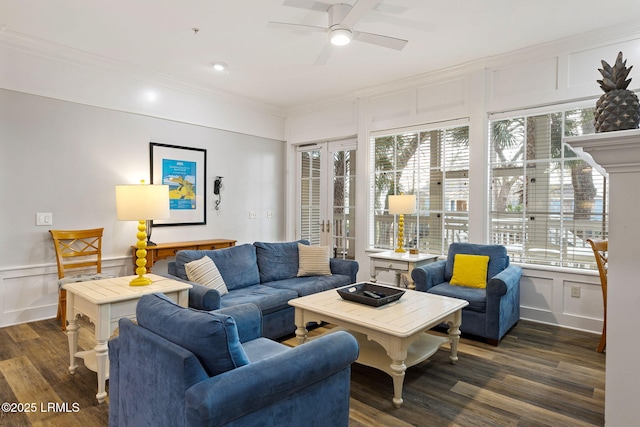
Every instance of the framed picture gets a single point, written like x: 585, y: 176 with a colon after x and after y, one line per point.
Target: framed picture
x: 184, y: 170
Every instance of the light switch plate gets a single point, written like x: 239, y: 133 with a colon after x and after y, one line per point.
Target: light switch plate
x: 43, y: 218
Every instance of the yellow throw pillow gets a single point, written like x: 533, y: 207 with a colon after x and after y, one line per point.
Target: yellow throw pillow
x: 470, y: 270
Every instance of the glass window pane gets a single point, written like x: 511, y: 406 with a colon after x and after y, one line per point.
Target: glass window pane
x: 545, y: 201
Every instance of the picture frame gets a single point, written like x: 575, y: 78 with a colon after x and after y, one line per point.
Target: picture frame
x: 184, y: 169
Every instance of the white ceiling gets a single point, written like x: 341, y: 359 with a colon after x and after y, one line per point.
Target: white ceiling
x: 274, y: 66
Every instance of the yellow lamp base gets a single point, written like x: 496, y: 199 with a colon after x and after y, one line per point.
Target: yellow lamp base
x: 400, y: 249
x: 140, y: 281
x: 141, y: 254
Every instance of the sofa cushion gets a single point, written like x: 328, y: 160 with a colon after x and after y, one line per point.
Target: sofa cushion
x: 498, y: 258
x: 237, y: 265
x: 313, y: 261
x: 470, y: 270
x: 205, y: 272
x: 476, y: 297
x: 267, y: 299
x: 310, y: 285
x: 212, y: 337
x: 277, y: 261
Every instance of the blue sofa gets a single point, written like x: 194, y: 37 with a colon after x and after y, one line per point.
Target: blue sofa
x: 493, y: 310
x: 264, y: 274
x: 184, y: 367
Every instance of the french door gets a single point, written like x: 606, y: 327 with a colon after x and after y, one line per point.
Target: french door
x: 326, y: 195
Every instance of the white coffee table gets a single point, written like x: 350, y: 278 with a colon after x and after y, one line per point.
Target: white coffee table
x: 392, y: 337
x: 105, y: 302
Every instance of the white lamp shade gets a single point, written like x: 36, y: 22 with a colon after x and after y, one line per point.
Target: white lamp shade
x: 402, y: 204
x: 142, y: 202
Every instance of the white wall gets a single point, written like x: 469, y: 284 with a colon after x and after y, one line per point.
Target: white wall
x: 66, y: 158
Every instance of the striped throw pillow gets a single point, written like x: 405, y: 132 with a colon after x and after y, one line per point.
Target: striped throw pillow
x: 205, y: 272
x: 313, y: 260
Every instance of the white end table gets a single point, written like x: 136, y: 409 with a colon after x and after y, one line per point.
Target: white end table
x: 105, y: 302
x: 402, y: 263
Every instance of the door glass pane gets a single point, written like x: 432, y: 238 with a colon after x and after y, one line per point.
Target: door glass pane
x: 310, y: 196
x: 343, y: 209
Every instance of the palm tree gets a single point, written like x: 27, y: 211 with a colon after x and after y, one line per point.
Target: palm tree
x: 580, y: 122
x: 392, y: 154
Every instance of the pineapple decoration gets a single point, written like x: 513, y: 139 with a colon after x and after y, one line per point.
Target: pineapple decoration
x: 618, y: 108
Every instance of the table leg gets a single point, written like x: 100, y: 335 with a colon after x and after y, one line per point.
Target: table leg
x: 372, y: 272
x: 72, y: 336
x: 398, y: 368
x: 301, y: 330
x: 101, y: 350
x: 454, y: 335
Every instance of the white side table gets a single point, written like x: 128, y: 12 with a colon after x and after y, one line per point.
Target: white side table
x: 402, y: 263
x: 105, y: 302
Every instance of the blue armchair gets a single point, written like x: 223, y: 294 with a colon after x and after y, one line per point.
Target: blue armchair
x: 184, y: 367
x: 493, y: 310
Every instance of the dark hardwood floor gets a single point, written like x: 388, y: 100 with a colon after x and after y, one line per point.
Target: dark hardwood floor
x: 539, y: 375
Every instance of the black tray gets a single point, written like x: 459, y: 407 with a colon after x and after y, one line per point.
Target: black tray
x: 355, y: 293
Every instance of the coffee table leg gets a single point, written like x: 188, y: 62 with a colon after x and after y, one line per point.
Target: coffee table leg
x: 398, y: 367
x: 301, y: 330
x: 454, y: 335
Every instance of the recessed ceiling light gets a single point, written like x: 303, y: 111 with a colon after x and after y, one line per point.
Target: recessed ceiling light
x: 220, y: 67
x: 340, y: 36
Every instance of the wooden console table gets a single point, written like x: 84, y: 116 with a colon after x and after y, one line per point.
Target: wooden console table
x: 166, y: 250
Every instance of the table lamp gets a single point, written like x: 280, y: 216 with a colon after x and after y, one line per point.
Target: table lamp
x: 140, y: 202
x: 400, y: 205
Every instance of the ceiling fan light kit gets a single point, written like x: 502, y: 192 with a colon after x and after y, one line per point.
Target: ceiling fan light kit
x: 220, y: 67
x: 342, y: 18
x: 340, y: 37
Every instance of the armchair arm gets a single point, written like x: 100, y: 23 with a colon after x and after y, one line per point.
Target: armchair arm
x: 428, y: 275
x: 504, y: 281
x: 248, y: 319
x: 503, y: 302
x: 200, y: 297
x: 303, y: 377
x: 344, y: 266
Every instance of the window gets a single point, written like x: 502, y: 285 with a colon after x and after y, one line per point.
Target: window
x: 433, y: 165
x: 545, y: 201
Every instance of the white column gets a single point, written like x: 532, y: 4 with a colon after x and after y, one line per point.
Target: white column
x: 619, y: 154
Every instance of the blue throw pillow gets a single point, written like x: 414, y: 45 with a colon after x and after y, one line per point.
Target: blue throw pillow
x: 278, y: 261
x: 212, y: 337
x: 237, y: 265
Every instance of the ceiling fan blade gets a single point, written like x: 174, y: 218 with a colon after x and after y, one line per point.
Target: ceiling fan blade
x: 296, y: 27
x: 379, y: 40
x: 358, y: 11
x: 308, y: 4
x: 324, y: 55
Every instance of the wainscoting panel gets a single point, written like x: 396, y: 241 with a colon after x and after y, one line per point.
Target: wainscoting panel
x: 445, y: 96
x: 30, y: 293
x: 545, y: 296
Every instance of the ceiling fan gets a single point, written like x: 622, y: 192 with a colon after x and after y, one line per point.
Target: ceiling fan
x: 342, y: 18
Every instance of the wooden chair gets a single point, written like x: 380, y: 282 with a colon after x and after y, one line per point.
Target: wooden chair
x: 77, y: 251
x: 600, y: 250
